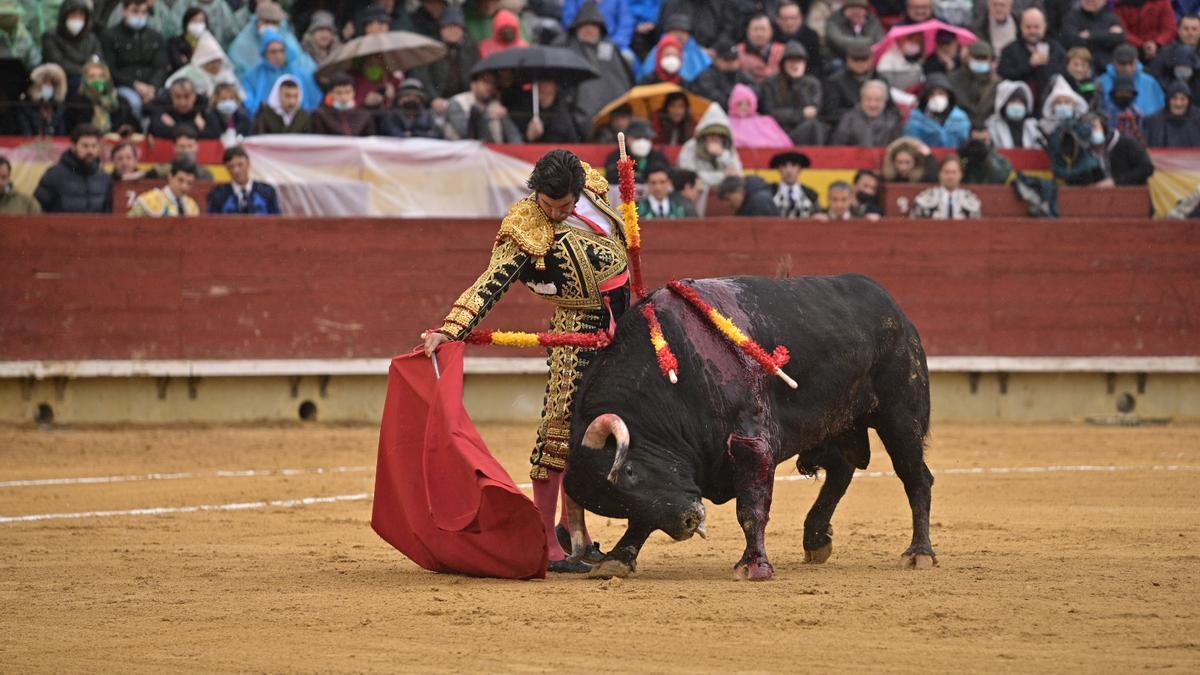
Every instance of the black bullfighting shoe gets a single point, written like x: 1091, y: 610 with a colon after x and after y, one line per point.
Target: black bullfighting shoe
x: 568, y: 566
x: 591, y: 555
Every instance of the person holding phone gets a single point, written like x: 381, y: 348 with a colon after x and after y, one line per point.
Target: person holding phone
x: 1034, y: 59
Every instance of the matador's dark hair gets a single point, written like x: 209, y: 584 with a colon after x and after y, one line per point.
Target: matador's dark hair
x: 557, y: 174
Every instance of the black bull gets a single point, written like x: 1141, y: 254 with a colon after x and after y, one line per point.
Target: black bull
x: 648, y: 451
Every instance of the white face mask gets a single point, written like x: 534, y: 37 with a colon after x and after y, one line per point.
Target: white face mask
x: 938, y: 103
x: 671, y: 64
x: 75, y: 26
x: 640, y: 147
x: 197, y: 28
x: 47, y: 92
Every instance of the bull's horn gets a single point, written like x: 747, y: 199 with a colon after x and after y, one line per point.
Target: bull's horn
x: 598, y: 432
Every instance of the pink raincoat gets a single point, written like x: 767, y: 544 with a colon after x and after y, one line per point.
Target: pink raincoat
x: 751, y: 130
x: 928, y: 28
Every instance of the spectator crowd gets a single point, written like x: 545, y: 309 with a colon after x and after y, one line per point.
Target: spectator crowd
x: 1091, y: 82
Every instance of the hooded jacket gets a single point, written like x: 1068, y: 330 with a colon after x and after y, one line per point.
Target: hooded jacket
x: 260, y: 80
x: 44, y: 118
x: 247, y: 48
x: 693, y: 155
x: 925, y: 174
x: 1150, y: 97
x: 660, y: 74
x: 493, y: 45
x: 976, y: 94
x: 1001, y: 129
x: 695, y: 62
x: 1164, y: 130
x: 20, y: 43
x: 207, y: 50
x: 321, y: 20
x: 71, y: 51
x: 272, y: 119
x: 615, y: 79
x: 616, y: 15
x: 947, y: 130
x: 752, y: 130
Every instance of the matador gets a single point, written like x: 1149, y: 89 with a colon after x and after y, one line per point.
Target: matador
x: 567, y: 245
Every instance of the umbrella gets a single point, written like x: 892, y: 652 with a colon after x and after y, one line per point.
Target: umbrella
x: 401, y: 50
x: 530, y: 64
x: 647, y: 99
x: 928, y: 28
x: 440, y: 497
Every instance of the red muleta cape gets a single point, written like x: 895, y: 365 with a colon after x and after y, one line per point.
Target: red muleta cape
x: 440, y: 497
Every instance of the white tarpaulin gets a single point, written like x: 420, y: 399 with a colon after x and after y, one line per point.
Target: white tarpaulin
x: 411, y: 177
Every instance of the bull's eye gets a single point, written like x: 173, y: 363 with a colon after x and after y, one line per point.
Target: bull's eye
x: 628, y: 470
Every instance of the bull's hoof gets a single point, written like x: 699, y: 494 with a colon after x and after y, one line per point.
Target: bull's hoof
x: 918, y: 561
x: 820, y: 555
x: 755, y: 571
x: 609, y: 568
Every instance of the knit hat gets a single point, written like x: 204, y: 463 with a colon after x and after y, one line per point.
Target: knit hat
x: 412, y: 86
x: 980, y: 50
x: 589, y: 12
x: 270, y: 12
x: 322, y: 19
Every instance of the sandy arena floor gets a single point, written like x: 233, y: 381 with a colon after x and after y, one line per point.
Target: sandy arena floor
x: 1090, y: 566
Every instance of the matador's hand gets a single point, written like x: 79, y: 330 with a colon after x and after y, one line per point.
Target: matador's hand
x: 433, y: 340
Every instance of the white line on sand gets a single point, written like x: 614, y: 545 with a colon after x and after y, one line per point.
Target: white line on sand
x: 361, y: 496
x: 240, y: 473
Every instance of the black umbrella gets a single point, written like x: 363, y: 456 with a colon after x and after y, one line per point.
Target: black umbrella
x: 530, y: 64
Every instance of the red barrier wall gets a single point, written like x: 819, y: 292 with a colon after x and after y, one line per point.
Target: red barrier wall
x: 80, y: 287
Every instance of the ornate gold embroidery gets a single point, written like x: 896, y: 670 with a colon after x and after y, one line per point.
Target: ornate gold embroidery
x: 504, y: 266
x: 528, y: 227
x: 594, y: 180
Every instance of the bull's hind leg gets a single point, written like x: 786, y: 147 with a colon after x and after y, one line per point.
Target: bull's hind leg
x: 904, y: 441
x: 753, y: 480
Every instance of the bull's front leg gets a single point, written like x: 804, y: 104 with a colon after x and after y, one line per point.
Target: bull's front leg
x: 753, y: 463
x: 621, y: 561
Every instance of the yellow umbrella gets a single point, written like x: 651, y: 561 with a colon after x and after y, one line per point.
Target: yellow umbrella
x: 647, y: 99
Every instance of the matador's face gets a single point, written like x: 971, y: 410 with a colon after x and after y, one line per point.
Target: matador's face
x: 556, y: 210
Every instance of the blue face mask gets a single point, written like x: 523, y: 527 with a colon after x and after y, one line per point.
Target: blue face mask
x: 1097, y: 137
x: 980, y: 67
x: 227, y: 106
x: 1064, y: 111
x: 343, y: 105
x: 136, y: 22
x: 1015, y: 111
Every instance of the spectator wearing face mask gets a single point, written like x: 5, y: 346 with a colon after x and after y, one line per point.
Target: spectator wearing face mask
x: 868, y: 195
x: 669, y: 62
x: 77, y: 183
x: 229, y: 116
x: 340, y: 116
x: 187, y: 149
x: 1121, y: 160
x: 639, y: 139
x: 181, y: 47
x: 981, y: 164
x: 974, y: 82
x: 873, y: 122
x: 1182, y: 64
x: 1149, y: 97
x: 411, y: 117
x: 208, y: 67
x: 661, y: 200
x: 1062, y: 105
x: 136, y: 54
x: 95, y: 101
x: 278, y: 60
x: 283, y: 113
x: 15, y: 40
x: 717, y: 81
x: 13, y: 203
x: 1012, y: 124
x: 710, y: 153
x: 695, y: 57
x: 158, y: 18
x: 947, y: 200
x: 938, y: 121
x: 1149, y: 24
x: 793, y: 98
x: 1094, y: 26
x: 1177, y: 125
x: 247, y: 49
x: 1121, y: 110
x: 902, y: 65
x: 73, y: 43
x: 506, y: 34
x: 43, y: 114
x: 219, y: 19
x: 1180, y: 51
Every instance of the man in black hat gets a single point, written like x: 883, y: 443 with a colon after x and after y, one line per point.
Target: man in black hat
x: 717, y: 81
x: 588, y: 37
x: 705, y: 18
x: 974, y: 82
x: 840, y: 93
x: 451, y: 74
x: 411, y: 117
x: 639, y: 139
x: 1149, y: 98
x: 791, y: 199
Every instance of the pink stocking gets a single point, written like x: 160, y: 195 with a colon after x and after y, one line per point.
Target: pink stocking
x: 545, y: 497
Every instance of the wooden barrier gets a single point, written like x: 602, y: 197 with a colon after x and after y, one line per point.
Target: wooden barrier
x: 92, y: 287
x: 1001, y: 201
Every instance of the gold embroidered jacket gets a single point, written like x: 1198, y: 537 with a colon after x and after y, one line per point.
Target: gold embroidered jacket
x: 558, y: 262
